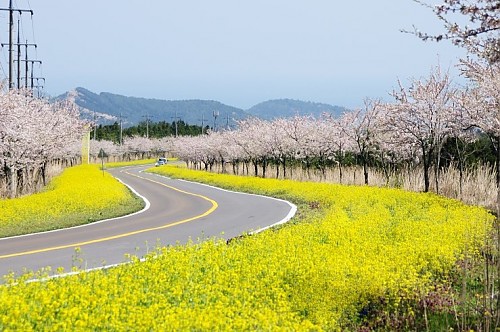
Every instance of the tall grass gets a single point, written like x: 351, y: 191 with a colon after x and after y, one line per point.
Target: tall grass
x: 476, y: 186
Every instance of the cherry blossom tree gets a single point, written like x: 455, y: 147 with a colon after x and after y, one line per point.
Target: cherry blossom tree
x: 108, y: 147
x: 251, y: 140
x: 303, y: 140
x: 336, y: 139
x: 424, y: 116
x: 138, y: 146
x: 482, y: 103
x: 362, y: 130
x: 474, y: 25
x: 32, y: 133
x: 278, y: 144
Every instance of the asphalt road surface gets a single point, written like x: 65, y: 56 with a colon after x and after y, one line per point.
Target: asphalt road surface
x: 176, y: 211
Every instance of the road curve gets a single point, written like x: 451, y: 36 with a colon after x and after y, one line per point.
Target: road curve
x: 176, y: 211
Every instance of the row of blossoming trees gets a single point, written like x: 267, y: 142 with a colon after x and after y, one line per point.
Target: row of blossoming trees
x: 133, y: 148
x: 412, y: 129
x: 34, y: 135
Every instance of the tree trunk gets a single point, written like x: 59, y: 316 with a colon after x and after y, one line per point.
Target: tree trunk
x: 385, y: 169
x: 340, y: 172
x: 223, y: 165
x: 44, y: 173
x: 437, y: 167
x: 365, y: 170
x: 13, y: 182
x: 426, y: 159
x: 308, y: 168
x: 498, y: 175
x: 235, y: 169
x: 284, y: 167
x: 322, y: 163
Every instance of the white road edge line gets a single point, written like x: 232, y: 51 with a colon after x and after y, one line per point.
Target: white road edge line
x: 291, y: 213
x: 146, y: 207
x: 288, y: 217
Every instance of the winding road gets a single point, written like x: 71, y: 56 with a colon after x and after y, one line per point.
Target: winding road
x: 176, y: 211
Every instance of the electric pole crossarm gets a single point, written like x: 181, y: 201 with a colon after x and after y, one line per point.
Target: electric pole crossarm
x: 19, y: 44
x: 35, y: 78
x: 20, y: 11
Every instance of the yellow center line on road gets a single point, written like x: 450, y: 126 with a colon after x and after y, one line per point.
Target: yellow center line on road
x: 118, y: 236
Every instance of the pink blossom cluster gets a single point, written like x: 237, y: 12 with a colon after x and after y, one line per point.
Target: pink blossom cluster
x: 34, y: 132
x: 137, y: 146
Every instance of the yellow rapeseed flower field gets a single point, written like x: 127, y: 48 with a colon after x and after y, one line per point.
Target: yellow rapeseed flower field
x: 81, y: 194
x: 356, y: 247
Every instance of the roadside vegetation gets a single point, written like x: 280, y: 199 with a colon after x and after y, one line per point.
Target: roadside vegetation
x: 80, y: 195
x: 353, y: 258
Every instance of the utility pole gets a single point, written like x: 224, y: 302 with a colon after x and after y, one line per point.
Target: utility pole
x: 19, y: 56
x: 147, y: 124
x: 11, y: 11
x: 215, y: 114
x: 176, y: 119
x: 95, y: 125
x: 121, y: 129
x: 26, y: 65
x: 31, y: 76
x: 202, y: 121
x: 38, y: 88
x: 11, y: 28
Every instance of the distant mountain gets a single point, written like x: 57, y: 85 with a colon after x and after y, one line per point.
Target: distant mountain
x: 283, y: 108
x: 107, y: 108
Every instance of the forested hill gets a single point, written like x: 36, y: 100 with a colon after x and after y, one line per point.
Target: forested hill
x: 107, y: 108
x: 134, y: 110
x: 282, y: 108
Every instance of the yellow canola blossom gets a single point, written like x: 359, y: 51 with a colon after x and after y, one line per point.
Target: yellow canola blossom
x: 81, y: 194
x: 357, y: 246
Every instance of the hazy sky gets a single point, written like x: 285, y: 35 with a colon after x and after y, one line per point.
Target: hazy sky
x: 237, y: 52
